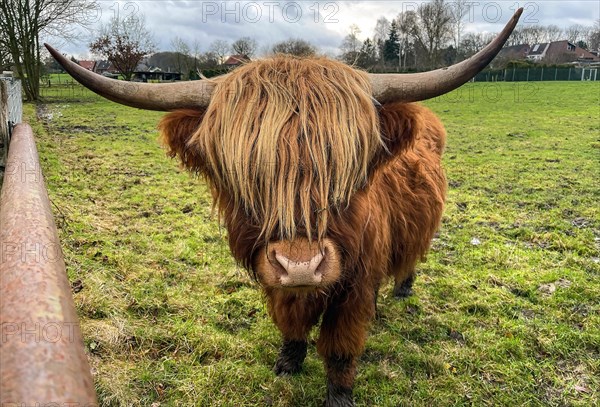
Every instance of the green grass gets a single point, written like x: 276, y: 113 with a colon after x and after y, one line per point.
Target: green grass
x: 59, y: 79
x: 169, y: 319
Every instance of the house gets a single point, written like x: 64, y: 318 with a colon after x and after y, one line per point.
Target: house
x: 103, y: 67
x: 560, y: 52
x: 548, y: 53
x: 89, y: 65
x: 236, y: 60
x: 144, y: 73
x: 512, y: 53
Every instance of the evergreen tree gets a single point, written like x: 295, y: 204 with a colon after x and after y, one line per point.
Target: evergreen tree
x: 391, y: 46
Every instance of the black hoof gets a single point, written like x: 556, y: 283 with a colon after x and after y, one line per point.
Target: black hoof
x: 338, y: 397
x: 290, y: 358
x: 404, y: 289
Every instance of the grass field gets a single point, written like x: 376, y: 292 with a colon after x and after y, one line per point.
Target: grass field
x: 506, y: 310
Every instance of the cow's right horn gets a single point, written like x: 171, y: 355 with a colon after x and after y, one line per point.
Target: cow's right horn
x: 159, y: 96
x: 426, y: 85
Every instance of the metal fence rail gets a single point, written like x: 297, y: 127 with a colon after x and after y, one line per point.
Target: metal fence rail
x: 41, y: 349
x: 538, y: 74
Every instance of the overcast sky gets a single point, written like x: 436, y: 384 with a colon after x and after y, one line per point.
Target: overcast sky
x: 323, y: 23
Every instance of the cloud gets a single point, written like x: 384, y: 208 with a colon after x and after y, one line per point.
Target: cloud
x: 323, y: 23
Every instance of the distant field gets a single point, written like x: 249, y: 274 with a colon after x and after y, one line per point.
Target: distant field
x: 59, y: 79
x: 505, y: 311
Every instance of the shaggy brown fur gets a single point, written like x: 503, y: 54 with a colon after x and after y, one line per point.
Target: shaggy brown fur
x: 286, y: 136
x: 380, y: 196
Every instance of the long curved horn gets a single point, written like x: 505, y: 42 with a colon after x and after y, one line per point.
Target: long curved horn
x: 161, y: 96
x: 426, y: 85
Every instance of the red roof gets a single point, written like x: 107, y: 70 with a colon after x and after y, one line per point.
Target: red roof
x: 236, y: 60
x: 89, y: 65
x: 564, y: 51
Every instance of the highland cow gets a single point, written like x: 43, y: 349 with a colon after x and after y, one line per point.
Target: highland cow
x: 327, y: 180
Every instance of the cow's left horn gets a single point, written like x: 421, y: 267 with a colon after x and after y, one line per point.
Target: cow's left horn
x: 160, y: 96
x: 426, y: 85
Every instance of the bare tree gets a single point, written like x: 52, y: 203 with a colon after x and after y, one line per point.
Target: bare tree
x: 23, y: 22
x: 124, y: 42
x: 535, y: 34
x: 182, y: 55
x: 382, y: 29
x: 433, y: 28
x: 296, y: 47
x: 381, y: 33
x: 245, y: 46
x: 208, y: 60
x: 553, y: 33
x: 196, y: 55
x: 474, y: 42
x: 594, y: 37
x: 576, y: 32
x: 516, y: 38
x: 179, y: 45
x: 5, y: 60
x: 459, y: 10
x: 220, y: 48
x: 351, y: 45
x: 405, y: 23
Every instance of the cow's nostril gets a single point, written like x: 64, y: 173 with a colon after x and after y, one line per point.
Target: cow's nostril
x: 302, y: 266
x: 300, y: 272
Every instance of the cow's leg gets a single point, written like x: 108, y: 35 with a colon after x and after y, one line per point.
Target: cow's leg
x: 342, y: 340
x: 291, y: 356
x: 403, y: 287
x: 294, y: 315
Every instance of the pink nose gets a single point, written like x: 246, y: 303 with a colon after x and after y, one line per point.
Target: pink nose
x: 300, y: 273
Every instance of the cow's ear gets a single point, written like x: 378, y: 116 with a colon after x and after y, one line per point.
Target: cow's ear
x: 176, y: 130
x: 402, y: 124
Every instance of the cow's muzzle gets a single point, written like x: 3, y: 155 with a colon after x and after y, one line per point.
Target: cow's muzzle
x: 302, y: 272
x: 298, y: 264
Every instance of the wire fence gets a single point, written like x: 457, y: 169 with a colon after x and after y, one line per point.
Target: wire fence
x: 69, y: 91
x: 11, y: 112
x: 538, y: 74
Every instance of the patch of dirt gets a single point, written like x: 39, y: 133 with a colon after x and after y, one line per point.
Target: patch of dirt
x: 45, y: 114
x: 550, y: 288
x: 580, y: 223
x: 457, y: 336
x: 76, y: 286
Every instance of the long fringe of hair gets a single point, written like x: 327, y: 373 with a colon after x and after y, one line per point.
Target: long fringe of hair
x: 289, y: 139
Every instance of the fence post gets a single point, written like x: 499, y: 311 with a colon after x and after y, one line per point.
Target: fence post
x: 542, y: 74
x: 569, y: 74
x: 555, y: 73
x: 527, y: 80
x: 513, y: 78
